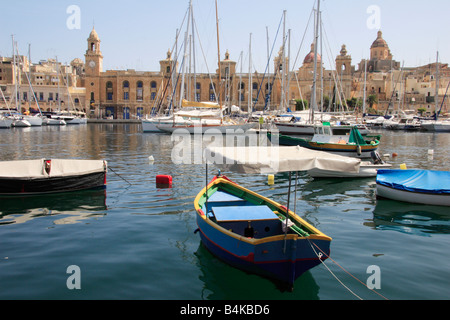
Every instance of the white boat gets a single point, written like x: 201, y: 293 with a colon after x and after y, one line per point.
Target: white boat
x: 208, y: 128
x: 367, y: 169
x: 40, y: 176
x: 415, y: 186
x: 35, y: 120
x: 53, y: 122
x: 150, y: 124
x: 20, y: 122
x: 5, y: 122
x: 436, y: 125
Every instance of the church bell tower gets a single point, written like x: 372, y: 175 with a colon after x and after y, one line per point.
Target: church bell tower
x: 93, y: 56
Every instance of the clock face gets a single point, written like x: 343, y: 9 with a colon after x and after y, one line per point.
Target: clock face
x: 92, y: 63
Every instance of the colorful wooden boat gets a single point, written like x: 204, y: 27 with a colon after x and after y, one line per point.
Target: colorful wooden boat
x: 248, y: 231
x: 342, y: 140
x: 40, y: 176
x: 415, y: 186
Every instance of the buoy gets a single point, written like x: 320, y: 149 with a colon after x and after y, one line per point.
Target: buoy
x: 271, y: 179
x: 163, y: 181
x: 403, y: 166
x: 151, y: 158
x: 430, y: 152
x: 394, y: 154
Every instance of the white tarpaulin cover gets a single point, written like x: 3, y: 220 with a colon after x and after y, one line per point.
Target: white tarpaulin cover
x: 34, y: 169
x: 272, y: 159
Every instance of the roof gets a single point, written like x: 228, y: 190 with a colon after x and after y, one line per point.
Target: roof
x: 379, y: 41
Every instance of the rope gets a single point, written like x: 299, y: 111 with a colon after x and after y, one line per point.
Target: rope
x: 319, y: 255
x: 109, y: 167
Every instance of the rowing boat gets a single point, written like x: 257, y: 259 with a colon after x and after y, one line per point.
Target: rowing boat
x: 251, y: 232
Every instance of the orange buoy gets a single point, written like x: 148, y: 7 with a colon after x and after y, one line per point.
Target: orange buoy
x: 394, y: 154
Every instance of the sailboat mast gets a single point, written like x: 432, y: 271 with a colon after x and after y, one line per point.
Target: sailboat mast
x: 316, y: 36
x: 437, y: 87
x: 218, y: 62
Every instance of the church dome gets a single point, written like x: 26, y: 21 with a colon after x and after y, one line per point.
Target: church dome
x: 310, y: 56
x: 379, y: 42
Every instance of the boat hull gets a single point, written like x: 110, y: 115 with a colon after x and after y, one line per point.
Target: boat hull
x: 413, y: 197
x: 52, y: 185
x: 365, y: 171
x: 208, y: 129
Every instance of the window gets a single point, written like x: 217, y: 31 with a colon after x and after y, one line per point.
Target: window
x: 126, y: 90
x: 109, y: 91
x: 153, y: 85
x: 153, y: 96
x: 139, y: 91
x: 255, y: 86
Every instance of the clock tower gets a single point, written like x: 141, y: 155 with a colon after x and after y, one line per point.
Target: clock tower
x: 92, y: 69
x: 93, y: 56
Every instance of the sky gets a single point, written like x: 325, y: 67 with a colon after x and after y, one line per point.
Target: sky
x: 136, y: 34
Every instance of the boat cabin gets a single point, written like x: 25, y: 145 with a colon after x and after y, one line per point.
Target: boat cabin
x: 327, y: 134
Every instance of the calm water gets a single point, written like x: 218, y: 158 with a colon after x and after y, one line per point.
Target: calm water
x: 137, y: 241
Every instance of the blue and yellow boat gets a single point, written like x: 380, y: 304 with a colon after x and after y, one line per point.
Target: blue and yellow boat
x: 251, y: 232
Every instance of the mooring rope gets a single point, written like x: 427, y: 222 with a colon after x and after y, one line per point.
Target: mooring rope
x: 319, y: 255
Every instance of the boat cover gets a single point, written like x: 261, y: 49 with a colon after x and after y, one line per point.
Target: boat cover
x: 273, y: 159
x: 35, y: 169
x: 423, y: 181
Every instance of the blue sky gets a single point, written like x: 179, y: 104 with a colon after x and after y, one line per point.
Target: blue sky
x: 136, y: 34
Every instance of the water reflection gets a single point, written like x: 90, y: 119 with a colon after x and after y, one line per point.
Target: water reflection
x: 71, y: 207
x: 223, y: 282
x: 408, y: 218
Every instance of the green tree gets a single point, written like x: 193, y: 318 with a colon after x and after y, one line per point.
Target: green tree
x: 301, y: 104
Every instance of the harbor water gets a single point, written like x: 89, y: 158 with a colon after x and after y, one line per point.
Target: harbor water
x: 136, y: 240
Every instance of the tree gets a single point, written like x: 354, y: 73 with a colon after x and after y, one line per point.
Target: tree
x: 301, y: 104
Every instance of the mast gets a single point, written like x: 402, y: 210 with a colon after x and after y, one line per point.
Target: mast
x: 250, y: 81
x: 316, y: 36
x: 364, y: 93
x: 219, y: 98
x: 437, y: 88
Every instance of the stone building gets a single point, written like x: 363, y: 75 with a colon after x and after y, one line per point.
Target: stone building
x: 46, y: 86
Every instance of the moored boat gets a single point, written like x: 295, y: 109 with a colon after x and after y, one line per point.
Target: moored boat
x: 40, y: 176
x: 251, y: 232
x: 342, y: 140
x: 415, y: 186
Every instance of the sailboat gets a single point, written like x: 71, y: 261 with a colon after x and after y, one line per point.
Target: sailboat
x: 203, y: 123
x: 437, y: 125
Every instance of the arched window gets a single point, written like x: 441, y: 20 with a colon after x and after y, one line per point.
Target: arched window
x: 109, y: 90
x: 139, y: 91
x: 126, y: 90
x: 153, y: 85
x: 255, y: 86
